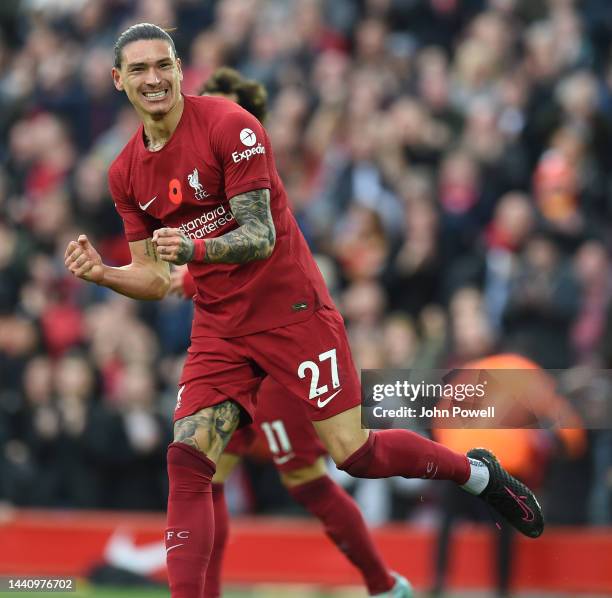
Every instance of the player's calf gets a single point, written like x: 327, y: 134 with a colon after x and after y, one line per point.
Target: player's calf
x: 199, y: 440
x: 189, y: 519
x: 346, y: 527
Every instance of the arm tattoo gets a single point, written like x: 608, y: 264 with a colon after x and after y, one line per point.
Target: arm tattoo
x: 185, y: 252
x: 150, y: 250
x: 255, y: 237
x: 210, y: 429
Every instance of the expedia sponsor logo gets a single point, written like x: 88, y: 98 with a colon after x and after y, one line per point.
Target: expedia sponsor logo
x: 248, y: 153
x: 248, y: 138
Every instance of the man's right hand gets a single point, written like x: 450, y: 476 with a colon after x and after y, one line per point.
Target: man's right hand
x: 84, y: 261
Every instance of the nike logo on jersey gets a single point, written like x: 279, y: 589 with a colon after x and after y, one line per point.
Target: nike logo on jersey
x: 321, y: 403
x: 173, y: 547
x: 284, y: 459
x: 146, y: 205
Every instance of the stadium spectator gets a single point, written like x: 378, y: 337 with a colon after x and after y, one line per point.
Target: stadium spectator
x: 543, y: 301
x: 520, y: 394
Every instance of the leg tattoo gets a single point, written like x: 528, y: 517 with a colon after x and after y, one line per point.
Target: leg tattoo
x: 210, y: 429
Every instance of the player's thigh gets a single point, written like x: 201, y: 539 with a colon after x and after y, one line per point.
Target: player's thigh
x: 311, y: 360
x: 217, y: 373
x: 342, y: 434
x: 225, y: 465
x: 209, y: 429
x: 217, y: 391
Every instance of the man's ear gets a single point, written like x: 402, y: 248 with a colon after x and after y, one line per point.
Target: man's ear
x: 179, y: 65
x: 117, y: 79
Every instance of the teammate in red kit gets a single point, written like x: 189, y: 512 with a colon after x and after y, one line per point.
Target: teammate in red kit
x: 197, y: 184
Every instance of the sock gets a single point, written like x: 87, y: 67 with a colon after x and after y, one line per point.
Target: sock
x: 190, y: 520
x: 479, y: 477
x: 404, y: 453
x: 212, y: 587
x: 345, y: 526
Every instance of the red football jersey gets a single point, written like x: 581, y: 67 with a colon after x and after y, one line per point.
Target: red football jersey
x: 218, y: 151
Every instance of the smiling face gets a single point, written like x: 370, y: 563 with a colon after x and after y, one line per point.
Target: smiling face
x: 151, y: 75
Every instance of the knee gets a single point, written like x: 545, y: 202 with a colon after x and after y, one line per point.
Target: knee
x: 225, y: 465
x: 186, y: 465
x: 303, y: 475
x: 209, y: 429
x: 358, y: 462
x: 342, y: 434
x: 209, y: 446
x: 345, y: 443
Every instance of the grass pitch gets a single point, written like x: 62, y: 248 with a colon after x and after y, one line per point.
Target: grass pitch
x: 85, y: 590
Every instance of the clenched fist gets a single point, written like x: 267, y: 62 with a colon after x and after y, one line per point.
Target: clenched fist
x: 173, y: 246
x: 83, y: 260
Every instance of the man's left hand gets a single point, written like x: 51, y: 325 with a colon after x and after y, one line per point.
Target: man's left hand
x: 173, y: 246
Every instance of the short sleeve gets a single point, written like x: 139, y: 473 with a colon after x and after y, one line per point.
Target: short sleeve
x: 137, y: 224
x: 241, y: 146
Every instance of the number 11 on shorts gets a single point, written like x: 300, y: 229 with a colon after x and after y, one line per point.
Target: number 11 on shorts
x: 313, y: 368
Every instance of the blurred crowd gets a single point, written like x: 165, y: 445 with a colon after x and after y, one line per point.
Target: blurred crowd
x: 449, y: 162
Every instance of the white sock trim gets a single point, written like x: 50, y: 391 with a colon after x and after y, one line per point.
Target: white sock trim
x: 479, y: 477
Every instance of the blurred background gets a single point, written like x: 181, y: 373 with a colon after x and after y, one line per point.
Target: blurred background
x: 449, y: 162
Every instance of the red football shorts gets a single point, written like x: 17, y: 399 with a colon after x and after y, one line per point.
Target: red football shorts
x: 283, y: 421
x: 311, y: 360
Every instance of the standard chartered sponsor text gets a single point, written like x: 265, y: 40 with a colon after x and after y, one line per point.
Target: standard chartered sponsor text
x: 207, y: 223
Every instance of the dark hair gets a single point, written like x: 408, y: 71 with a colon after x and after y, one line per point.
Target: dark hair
x: 252, y: 96
x: 138, y: 32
